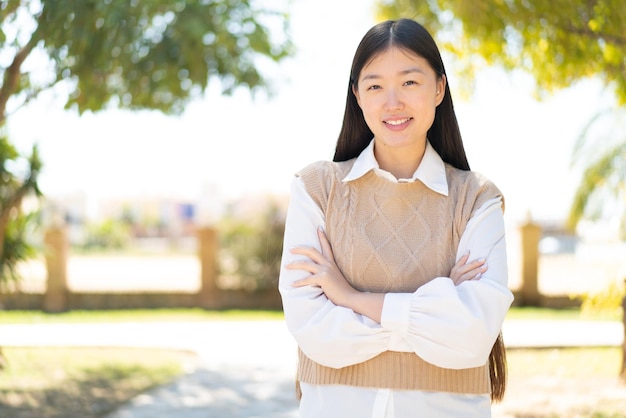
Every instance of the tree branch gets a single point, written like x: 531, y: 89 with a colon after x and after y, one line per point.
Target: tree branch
x: 31, y: 95
x: 12, y: 76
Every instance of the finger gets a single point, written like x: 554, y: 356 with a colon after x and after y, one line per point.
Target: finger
x: 473, y: 265
x: 461, y: 261
x: 474, y: 274
x: 327, y: 250
x: 303, y: 265
x: 309, y: 252
x: 466, y: 269
x: 480, y: 273
x: 308, y: 281
x: 478, y: 262
x: 468, y: 274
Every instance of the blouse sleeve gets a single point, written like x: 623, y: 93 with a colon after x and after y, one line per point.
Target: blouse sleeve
x: 455, y: 326
x: 330, y: 335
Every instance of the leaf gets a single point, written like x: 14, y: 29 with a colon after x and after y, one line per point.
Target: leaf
x: 558, y: 41
x: 609, y: 170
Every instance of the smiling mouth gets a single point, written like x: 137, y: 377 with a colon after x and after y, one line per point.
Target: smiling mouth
x: 397, y: 122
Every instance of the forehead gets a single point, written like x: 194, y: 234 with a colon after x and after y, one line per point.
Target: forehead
x: 394, y: 60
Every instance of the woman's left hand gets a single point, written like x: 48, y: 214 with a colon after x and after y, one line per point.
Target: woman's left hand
x: 324, y: 272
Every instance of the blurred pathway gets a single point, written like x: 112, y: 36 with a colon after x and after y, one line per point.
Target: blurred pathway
x: 247, y: 368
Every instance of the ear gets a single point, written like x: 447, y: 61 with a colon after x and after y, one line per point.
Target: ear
x: 441, y: 89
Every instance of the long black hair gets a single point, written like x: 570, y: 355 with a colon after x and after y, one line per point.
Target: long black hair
x: 444, y: 135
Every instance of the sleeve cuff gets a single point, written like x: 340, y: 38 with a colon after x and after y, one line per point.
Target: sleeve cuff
x: 395, y: 314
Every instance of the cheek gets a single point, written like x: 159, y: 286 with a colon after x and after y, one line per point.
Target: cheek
x: 371, y: 103
x: 370, y: 116
x: 369, y: 112
x: 427, y: 106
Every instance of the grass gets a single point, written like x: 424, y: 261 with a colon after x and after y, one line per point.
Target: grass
x: 138, y: 315
x: 532, y: 313
x: 197, y: 314
x: 564, y: 362
x: 81, y: 382
x: 569, y: 382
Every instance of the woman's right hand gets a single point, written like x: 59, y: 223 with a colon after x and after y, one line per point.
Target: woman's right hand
x: 463, y: 270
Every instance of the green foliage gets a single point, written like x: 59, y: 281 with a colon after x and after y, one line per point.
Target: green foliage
x: 609, y: 172
x: 601, y: 151
x: 108, y: 234
x: 18, y: 179
x: 558, y: 41
x: 153, y: 54
x: 18, y: 174
x: 605, y: 303
x: 252, y: 248
x: 17, y: 247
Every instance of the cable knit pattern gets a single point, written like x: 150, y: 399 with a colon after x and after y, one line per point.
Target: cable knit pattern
x: 394, y: 237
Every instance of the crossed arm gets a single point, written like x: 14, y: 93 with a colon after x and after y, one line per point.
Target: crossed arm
x: 324, y: 273
x: 450, y: 321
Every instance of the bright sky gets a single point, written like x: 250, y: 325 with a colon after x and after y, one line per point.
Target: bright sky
x: 238, y: 146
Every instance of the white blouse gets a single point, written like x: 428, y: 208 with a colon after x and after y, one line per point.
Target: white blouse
x: 449, y: 326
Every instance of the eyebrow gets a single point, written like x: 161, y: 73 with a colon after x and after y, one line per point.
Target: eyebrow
x: 403, y: 72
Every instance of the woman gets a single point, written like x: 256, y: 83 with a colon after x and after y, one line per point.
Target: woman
x: 394, y: 276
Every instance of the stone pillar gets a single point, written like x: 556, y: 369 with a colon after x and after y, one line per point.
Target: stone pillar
x: 56, y: 253
x: 530, y: 234
x: 207, y: 252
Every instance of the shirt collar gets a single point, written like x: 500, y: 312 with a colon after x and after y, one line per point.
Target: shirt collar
x: 431, y: 171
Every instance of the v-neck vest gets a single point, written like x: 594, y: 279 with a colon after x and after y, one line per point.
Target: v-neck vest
x: 394, y: 237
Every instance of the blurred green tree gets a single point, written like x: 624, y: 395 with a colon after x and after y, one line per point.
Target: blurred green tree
x: 558, y: 42
x: 252, y: 246
x: 152, y: 54
x: 155, y: 54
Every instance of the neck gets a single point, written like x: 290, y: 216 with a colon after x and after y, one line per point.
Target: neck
x: 401, y: 162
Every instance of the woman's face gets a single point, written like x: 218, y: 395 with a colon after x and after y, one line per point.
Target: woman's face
x: 398, y: 92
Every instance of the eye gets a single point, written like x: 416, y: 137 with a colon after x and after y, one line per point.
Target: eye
x: 374, y: 87
x: 410, y: 83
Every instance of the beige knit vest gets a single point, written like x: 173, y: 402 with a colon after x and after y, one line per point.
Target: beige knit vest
x: 394, y: 237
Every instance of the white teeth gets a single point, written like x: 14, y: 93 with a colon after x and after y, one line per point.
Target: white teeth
x: 397, y: 122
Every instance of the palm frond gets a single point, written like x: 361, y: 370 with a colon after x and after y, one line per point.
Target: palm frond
x: 609, y: 170
x: 583, y: 139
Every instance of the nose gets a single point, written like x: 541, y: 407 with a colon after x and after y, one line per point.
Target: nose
x: 393, y: 100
